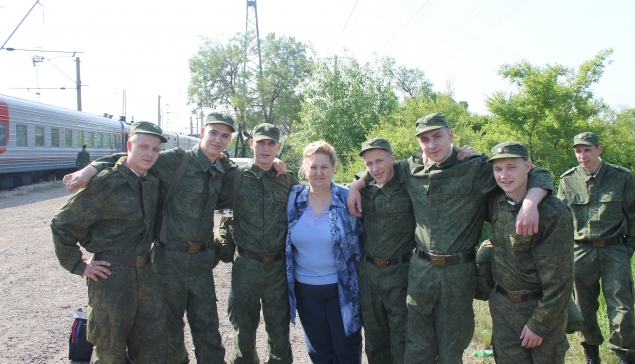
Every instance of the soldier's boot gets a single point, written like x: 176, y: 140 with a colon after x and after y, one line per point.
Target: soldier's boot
x: 627, y: 360
x: 591, y: 353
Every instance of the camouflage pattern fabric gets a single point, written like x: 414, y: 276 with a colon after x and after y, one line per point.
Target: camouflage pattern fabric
x: 126, y: 309
x: 541, y: 261
x: 389, y: 225
x: 450, y: 200
x: 261, y: 226
x: 83, y: 159
x: 603, y: 206
x: 186, y: 279
x: 484, y: 278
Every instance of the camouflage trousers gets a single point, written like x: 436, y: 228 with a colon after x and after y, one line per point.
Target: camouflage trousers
x: 188, y: 287
x: 383, y: 294
x: 126, y: 310
x: 612, y: 266
x: 440, y: 317
x: 508, y: 320
x: 252, y: 283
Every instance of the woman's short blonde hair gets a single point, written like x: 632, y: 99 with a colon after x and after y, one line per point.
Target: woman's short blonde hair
x: 310, y: 150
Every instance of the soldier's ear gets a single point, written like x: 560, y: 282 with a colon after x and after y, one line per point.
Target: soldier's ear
x: 599, y: 149
x: 528, y: 165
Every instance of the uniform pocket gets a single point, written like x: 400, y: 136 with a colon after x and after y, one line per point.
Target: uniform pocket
x: 559, y: 351
x: 97, y: 331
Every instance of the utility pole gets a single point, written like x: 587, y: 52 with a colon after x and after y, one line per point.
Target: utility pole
x: 79, y: 86
x: 159, y: 111
x: 252, y: 69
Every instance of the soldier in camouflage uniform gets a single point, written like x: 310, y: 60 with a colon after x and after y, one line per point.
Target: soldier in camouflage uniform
x: 533, y: 275
x: 389, y: 226
x: 258, y: 273
x: 185, y: 261
x: 450, y: 199
x: 601, y: 197
x: 83, y: 158
x: 113, y: 217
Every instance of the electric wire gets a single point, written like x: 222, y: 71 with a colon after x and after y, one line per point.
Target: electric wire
x: 406, y: 23
x: 342, y: 32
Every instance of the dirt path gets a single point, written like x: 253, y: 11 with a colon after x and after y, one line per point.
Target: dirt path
x: 36, y: 293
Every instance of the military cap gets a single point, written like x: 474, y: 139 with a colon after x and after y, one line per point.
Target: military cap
x: 431, y: 122
x: 147, y: 128
x: 218, y: 118
x: 509, y: 150
x: 587, y: 138
x: 375, y: 144
x: 266, y: 131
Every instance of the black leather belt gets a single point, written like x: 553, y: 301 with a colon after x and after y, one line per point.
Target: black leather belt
x: 138, y: 261
x: 519, y: 296
x: 191, y: 248
x: 387, y: 262
x: 263, y: 258
x: 601, y: 243
x: 443, y: 260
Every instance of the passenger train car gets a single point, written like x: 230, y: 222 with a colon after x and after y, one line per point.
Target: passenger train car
x: 38, y: 139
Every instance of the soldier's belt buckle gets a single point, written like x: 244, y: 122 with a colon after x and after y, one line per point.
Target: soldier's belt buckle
x: 514, y: 297
x: 194, y: 248
x: 598, y: 243
x: 381, y: 263
x: 437, y: 260
x: 268, y: 258
x: 140, y: 262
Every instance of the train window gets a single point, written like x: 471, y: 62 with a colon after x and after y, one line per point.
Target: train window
x: 3, y: 135
x: 91, y: 140
x: 117, y: 142
x: 55, y: 138
x: 20, y: 135
x: 68, y: 138
x: 39, y: 136
x: 100, y: 140
x: 80, y: 138
x: 107, y: 144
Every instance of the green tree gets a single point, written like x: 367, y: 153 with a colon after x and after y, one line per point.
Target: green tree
x: 548, y: 107
x: 343, y: 101
x: 410, y: 82
x: 219, y: 81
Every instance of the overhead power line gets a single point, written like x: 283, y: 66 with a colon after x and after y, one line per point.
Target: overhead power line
x: 342, y: 32
x: 404, y: 25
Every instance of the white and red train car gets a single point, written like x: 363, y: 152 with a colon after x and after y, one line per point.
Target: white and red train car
x: 38, y: 139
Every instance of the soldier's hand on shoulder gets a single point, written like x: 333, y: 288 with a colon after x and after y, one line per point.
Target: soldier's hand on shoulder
x: 95, y: 269
x: 280, y: 167
x: 79, y: 179
x: 527, y: 219
x: 465, y: 152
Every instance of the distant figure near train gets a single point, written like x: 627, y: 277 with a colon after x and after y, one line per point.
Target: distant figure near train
x: 83, y: 158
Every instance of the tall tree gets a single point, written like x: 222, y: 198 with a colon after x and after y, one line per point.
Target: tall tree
x: 410, y: 82
x: 343, y: 100
x: 548, y: 107
x: 218, y: 80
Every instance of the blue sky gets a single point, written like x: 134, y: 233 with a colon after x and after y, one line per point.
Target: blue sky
x: 144, y: 49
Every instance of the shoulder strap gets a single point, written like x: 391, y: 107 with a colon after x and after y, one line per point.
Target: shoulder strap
x: 175, y: 181
x: 237, y: 177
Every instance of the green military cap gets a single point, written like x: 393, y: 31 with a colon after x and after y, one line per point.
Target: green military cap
x: 266, y: 131
x: 431, y: 122
x: 375, y: 144
x: 218, y: 118
x: 147, y: 128
x: 587, y: 138
x: 509, y: 150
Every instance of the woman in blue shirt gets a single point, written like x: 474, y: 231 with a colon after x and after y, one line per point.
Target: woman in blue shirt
x: 322, y: 254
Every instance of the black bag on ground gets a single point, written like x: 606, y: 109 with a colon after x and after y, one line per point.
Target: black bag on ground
x: 78, y: 348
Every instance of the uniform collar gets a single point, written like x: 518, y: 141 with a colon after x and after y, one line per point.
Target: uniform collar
x: 598, y: 175
x: 386, y: 189
x: 129, y: 175
x: 203, y: 161
x: 259, y: 172
x: 448, y: 162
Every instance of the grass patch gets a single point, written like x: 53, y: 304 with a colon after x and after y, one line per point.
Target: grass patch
x: 41, y: 189
x: 3, y: 197
x: 19, y: 194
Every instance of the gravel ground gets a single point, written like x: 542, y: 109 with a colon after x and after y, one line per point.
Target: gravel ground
x: 36, y: 293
